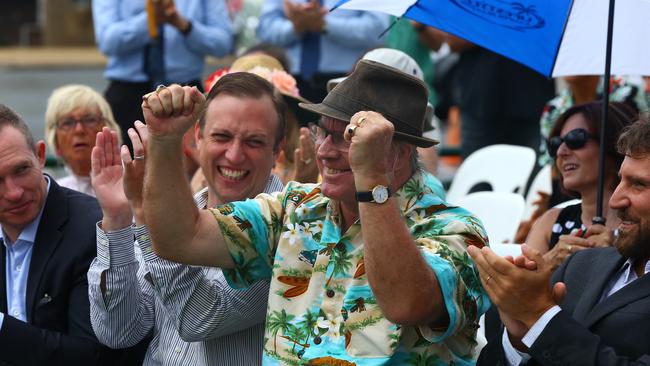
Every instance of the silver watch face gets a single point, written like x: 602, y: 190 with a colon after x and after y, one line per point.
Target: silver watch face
x: 380, y: 194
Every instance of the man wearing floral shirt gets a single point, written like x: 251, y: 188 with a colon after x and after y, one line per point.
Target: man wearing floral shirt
x: 397, y: 289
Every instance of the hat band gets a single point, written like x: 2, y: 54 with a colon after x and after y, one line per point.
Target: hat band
x: 335, y: 100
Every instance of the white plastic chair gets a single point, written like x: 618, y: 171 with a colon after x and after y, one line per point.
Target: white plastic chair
x: 505, y: 167
x: 504, y: 249
x: 500, y: 213
x: 541, y: 183
x: 568, y: 203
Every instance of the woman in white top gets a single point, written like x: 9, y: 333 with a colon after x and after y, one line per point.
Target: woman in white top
x: 74, y: 115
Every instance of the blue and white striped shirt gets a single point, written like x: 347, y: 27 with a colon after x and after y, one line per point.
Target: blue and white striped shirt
x: 195, y: 316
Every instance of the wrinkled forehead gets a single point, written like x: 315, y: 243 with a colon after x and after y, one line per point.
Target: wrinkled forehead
x: 333, y: 124
x: 81, y: 106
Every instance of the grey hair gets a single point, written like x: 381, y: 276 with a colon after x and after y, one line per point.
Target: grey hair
x: 66, y: 99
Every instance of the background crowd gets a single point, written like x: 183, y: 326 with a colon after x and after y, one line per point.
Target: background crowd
x: 287, y: 208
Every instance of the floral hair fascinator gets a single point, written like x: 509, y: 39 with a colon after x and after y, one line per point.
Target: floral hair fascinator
x: 271, y: 70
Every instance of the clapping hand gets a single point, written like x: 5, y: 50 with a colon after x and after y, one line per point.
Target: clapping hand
x: 305, y: 169
x: 134, y: 169
x: 106, y: 179
x: 307, y: 17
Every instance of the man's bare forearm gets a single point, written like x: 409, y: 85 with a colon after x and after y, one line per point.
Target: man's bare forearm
x: 405, y: 286
x: 168, y: 204
x: 179, y: 231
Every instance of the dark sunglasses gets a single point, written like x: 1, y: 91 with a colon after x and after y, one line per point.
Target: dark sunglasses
x: 574, y: 139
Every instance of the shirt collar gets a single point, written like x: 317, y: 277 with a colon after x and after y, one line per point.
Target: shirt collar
x: 416, y: 193
x: 29, y: 232
x: 627, y: 270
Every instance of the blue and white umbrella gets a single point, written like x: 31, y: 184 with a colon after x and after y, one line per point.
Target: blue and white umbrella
x: 553, y: 37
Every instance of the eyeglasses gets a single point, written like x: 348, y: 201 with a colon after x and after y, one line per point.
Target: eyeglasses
x: 319, y: 134
x: 86, y: 121
x: 574, y: 140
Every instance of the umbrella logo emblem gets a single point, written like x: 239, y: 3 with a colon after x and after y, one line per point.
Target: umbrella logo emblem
x: 510, y: 14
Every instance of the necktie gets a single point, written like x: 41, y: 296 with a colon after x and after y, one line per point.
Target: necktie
x: 310, y: 55
x: 155, y: 59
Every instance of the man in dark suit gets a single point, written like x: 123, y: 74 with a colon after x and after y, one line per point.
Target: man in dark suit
x: 48, y: 241
x: 603, y: 317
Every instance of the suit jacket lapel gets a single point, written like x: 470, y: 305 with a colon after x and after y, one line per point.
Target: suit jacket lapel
x: 47, y: 239
x: 634, y: 291
x: 602, y: 268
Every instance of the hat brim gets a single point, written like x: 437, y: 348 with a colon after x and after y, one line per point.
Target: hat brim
x: 303, y: 116
x: 329, y: 111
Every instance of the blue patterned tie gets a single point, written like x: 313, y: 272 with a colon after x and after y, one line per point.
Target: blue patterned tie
x: 155, y: 59
x: 310, y: 55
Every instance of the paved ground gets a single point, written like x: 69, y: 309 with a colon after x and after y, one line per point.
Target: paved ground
x: 28, y: 76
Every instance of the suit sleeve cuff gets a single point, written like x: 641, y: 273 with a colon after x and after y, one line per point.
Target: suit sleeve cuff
x: 514, y: 357
x: 2, y: 318
x: 539, y: 326
x: 115, y: 248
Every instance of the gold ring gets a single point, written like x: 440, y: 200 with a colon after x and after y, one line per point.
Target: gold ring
x: 160, y: 87
x: 360, y: 121
x: 568, y: 247
x: 487, y: 282
x: 306, y: 161
x: 351, y: 129
x: 140, y: 157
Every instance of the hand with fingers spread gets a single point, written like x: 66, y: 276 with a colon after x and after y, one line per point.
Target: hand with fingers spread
x: 520, y: 293
x: 106, y: 179
x: 305, y: 169
x: 170, y: 111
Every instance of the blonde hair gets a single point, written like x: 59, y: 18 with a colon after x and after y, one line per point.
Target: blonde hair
x: 66, y: 99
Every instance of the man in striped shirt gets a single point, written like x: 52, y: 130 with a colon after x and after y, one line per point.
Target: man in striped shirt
x: 194, y: 316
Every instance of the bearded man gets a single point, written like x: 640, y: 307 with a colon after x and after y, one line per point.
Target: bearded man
x: 597, y: 311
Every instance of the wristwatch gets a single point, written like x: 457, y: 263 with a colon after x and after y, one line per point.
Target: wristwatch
x: 379, y: 194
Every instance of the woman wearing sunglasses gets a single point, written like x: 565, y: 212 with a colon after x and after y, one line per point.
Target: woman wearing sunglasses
x: 574, y: 146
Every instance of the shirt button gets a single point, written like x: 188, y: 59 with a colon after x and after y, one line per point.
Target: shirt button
x: 16, y: 313
x: 330, y: 293
x: 178, y: 350
x: 19, y: 268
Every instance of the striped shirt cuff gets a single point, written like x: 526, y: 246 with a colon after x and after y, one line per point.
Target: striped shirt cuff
x: 144, y: 241
x: 115, y: 248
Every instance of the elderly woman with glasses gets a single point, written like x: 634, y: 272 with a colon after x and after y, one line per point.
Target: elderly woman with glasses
x: 574, y: 145
x: 74, y: 115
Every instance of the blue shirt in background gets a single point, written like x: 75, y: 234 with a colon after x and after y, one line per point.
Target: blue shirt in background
x: 121, y: 34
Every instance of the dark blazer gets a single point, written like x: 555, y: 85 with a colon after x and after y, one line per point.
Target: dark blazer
x: 58, y: 328
x: 615, y: 331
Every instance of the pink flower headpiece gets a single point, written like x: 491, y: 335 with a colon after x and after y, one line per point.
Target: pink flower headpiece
x: 280, y: 79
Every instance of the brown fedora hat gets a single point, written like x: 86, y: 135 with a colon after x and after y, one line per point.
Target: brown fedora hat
x: 399, y: 97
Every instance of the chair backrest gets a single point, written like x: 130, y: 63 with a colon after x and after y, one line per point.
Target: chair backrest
x: 541, y: 183
x: 568, y: 203
x: 505, y: 167
x: 504, y: 249
x: 500, y: 213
